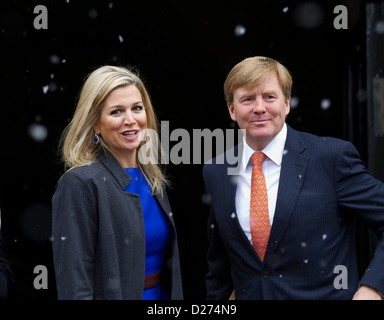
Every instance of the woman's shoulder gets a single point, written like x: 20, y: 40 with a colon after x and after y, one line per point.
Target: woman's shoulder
x: 84, y: 173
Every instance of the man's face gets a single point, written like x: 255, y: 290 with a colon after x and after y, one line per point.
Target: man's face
x: 260, y: 111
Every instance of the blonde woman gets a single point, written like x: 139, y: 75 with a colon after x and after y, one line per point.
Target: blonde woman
x: 113, y: 228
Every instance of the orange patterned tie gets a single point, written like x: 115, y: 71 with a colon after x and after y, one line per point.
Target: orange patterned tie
x: 260, y: 225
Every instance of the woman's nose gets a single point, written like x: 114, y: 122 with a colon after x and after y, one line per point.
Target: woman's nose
x: 129, y: 119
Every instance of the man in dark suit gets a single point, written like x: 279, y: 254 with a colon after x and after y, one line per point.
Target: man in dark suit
x: 286, y: 230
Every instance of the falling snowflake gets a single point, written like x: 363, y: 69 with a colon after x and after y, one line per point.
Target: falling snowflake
x: 240, y: 30
x: 309, y: 15
x: 380, y: 27
x: 37, y: 132
x: 93, y: 13
x: 294, y: 102
x: 54, y: 59
x: 206, y: 198
x: 325, y: 104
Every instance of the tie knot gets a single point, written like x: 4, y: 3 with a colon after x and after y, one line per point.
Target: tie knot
x: 258, y: 158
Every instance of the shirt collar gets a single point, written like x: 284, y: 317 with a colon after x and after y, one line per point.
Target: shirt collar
x: 274, y: 150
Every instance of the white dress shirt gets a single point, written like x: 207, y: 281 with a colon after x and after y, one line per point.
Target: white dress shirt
x: 271, y: 168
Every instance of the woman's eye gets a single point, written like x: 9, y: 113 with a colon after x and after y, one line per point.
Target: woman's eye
x: 138, y: 108
x: 115, y: 112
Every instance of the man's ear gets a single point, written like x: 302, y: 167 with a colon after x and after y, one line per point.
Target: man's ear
x: 231, y: 110
x: 287, y: 106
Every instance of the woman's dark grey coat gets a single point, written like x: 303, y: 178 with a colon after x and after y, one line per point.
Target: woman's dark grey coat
x: 99, y: 237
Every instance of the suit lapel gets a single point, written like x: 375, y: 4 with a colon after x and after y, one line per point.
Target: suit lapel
x: 229, y: 185
x: 292, y: 175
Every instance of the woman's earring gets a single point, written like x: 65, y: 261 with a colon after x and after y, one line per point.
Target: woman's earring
x: 96, y: 139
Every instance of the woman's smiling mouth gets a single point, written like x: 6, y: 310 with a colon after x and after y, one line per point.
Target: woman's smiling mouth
x: 130, y: 134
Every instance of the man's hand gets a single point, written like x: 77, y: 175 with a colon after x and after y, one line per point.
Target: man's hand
x: 367, y: 293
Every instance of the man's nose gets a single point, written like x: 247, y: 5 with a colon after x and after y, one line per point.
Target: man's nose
x: 258, y: 105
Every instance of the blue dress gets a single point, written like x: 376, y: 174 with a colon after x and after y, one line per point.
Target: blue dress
x: 157, y: 231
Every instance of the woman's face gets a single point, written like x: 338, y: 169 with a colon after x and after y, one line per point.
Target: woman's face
x: 122, y: 123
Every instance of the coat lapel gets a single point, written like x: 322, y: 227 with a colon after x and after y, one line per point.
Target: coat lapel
x: 164, y: 204
x: 292, y: 175
x: 114, y: 167
x: 123, y: 179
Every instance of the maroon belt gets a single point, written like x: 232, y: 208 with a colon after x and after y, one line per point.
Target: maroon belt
x: 151, y: 280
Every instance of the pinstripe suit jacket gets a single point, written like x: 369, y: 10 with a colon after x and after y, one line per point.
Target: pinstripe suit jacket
x: 323, y: 185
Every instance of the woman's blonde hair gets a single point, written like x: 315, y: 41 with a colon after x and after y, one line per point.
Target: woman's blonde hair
x: 77, y: 145
x: 254, y: 71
